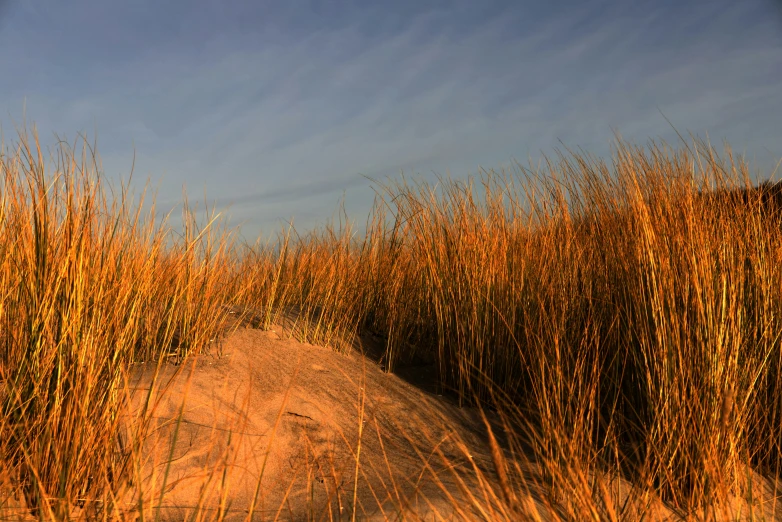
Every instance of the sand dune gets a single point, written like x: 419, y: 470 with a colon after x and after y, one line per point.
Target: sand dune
x: 273, y: 407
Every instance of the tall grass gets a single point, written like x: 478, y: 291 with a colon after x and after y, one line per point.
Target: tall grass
x: 622, y: 319
x: 87, y: 288
x: 625, y: 315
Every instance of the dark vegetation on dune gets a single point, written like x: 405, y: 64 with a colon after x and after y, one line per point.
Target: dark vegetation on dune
x: 622, y: 318
x: 765, y: 198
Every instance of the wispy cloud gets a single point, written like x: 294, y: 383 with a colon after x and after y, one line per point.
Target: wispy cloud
x: 278, y: 108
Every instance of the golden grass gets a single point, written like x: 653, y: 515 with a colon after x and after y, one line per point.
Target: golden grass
x: 623, y: 320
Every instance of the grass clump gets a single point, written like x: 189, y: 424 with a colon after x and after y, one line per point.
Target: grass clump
x: 88, y: 288
x: 631, y: 315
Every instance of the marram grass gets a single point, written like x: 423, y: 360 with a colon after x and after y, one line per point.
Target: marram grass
x: 622, y: 319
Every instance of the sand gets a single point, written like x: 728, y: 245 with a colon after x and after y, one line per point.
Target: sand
x: 263, y: 405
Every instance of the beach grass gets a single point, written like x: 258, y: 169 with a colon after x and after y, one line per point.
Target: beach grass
x: 622, y: 318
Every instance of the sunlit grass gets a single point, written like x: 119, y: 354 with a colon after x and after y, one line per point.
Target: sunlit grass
x: 622, y: 321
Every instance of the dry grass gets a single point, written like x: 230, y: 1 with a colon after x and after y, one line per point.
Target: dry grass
x: 623, y: 321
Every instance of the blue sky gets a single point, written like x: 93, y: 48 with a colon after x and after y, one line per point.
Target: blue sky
x: 275, y: 109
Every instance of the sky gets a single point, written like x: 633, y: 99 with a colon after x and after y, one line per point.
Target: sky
x: 277, y: 110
